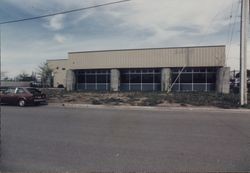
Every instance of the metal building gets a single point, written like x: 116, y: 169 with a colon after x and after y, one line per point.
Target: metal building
x: 155, y: 69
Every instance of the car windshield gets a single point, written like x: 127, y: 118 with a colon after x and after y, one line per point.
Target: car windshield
x: 34, y: 91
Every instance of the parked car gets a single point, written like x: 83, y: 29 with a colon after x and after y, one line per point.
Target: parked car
x: 21, y: 96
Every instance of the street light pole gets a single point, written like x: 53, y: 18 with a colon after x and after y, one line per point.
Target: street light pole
x: 243, y: 51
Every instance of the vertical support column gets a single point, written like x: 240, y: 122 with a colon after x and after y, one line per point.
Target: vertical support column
x: 222, y: 80
x: 115, y: 80
x: 70, y: 80
x: 165, y: 79
x: 243, y: 51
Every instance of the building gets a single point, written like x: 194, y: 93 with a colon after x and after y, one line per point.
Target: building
x: 155, y: 69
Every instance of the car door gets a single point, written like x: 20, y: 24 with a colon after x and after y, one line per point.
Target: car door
x: 9, y: 96
x: 3, y: 95
x: 20, y: 93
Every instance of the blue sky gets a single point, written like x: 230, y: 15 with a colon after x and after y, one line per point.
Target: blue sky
x: 134, y: 24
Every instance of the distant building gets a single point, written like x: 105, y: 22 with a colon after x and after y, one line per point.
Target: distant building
x: 155, y: 69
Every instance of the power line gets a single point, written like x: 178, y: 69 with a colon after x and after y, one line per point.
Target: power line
x: 230, y: 22
x: 233, y: 29
x: 211, y: 23
x: 62, y: 12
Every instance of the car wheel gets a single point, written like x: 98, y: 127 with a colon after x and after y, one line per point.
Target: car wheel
x: 21, y: 103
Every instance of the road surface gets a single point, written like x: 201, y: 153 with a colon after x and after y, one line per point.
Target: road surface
x: 39, y: 139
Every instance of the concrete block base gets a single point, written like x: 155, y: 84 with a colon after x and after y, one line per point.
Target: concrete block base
x: 165, y: 79
x: 115, y: 80
x: 222, y: 80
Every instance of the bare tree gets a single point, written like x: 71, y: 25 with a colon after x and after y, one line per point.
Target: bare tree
x: 45, y: 74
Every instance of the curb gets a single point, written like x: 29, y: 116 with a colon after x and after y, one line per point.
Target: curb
x: 146, y: 108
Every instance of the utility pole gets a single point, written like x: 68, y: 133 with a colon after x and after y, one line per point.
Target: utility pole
x: 243, y: 51
x: 0, y: 86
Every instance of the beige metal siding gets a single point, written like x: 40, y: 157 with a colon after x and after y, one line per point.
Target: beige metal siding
x: 145, y: 58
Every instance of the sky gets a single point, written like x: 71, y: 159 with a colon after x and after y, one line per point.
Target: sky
x: 133, y: 24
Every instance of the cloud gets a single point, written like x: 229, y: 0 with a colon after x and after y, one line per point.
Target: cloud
x: 134, y: 24
x: 56, y: 23
x: 59, y: 39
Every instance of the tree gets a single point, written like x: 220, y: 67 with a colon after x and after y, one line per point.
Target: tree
x: 45, y: 74
x: 24, y: 77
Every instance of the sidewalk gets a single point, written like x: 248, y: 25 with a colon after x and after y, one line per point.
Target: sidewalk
x: 148, y: 108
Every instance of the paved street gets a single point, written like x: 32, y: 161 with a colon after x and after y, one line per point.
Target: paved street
x: 64, y: 139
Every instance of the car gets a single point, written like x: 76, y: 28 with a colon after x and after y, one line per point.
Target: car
x: 21, y: 96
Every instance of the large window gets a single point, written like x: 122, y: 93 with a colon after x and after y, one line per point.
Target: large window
x: 140, y: 80
x: 93, y: 80
x: 194, y: 79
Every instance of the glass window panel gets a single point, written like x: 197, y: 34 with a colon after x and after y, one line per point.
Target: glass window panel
x: 211, y: 78
x: 135, y: 87
x: 102, y: 87
x: 108, y: 78
x: 157, y: 71
x: 124, y: 71
x: 186, y: 87
x: 101, y: 78
x: 199, y: 87
x: 175, y: 87
x: 80, y: 86
x: 147, y: 78
x: 91, y: 87
x: 199, y: 78
x: 200, y: 70
x: 187, y: 70
x: 157, y: 78
x: 157, y: 87
x: 90, y: 79
x: 147, y: 87
x: 211, y: 69
x: 175, y: 70
x: 174, y: 77
x: 81, y: 79
x: 186, y: 78
x: 20, y: 91
x: 211, y: 87
x: 135, y: 78
x: 124, y: 87
x: 125, y: 78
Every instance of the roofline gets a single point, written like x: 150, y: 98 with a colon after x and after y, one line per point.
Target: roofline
x: 117, y: 50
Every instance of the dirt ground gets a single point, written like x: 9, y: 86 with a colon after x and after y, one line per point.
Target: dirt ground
x: 144, y: 99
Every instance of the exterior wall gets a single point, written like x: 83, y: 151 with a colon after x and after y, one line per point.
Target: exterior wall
x: 15, y: 84
x: 223, y: 79
x: 149, y: 58
x: 157, y: 58
x: 59, y: 68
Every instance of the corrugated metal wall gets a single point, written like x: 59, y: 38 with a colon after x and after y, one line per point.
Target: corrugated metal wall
x: 210, y: 56
x: 145, y: 58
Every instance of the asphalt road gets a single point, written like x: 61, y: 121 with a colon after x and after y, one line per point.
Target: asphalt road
x: 39, y: 139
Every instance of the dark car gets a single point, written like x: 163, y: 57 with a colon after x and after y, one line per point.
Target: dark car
x: 21, y: 96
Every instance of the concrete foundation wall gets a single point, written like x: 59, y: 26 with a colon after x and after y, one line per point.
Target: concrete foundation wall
x: 222, y: 80
x: 70, y: 80
x: 165, y: 79
x: 115, y: 80
x: 59, y: 68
